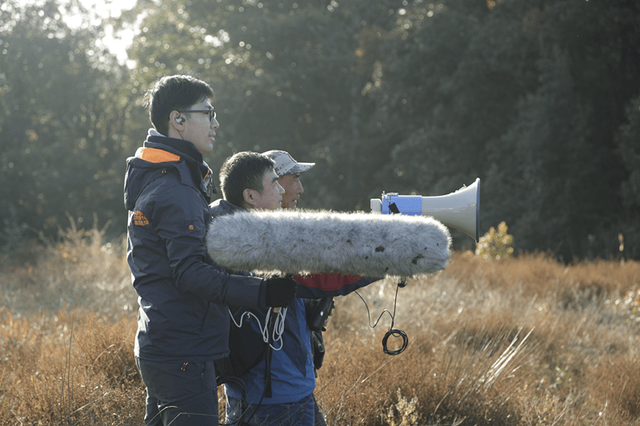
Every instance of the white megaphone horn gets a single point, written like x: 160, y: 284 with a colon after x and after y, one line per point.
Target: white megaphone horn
x: 459, y: 210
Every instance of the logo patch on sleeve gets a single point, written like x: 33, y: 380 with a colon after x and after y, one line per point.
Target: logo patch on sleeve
x: 140, y: 219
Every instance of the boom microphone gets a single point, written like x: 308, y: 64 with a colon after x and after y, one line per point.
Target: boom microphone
x: 307, y: 242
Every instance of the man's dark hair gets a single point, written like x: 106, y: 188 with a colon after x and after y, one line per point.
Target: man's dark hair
x: 174, y: 93
x: 241, y: 171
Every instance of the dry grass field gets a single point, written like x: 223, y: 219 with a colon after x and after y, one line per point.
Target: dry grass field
x: 517, y: 341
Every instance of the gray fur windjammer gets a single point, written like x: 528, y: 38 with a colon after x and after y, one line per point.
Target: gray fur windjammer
x: 304, y: 242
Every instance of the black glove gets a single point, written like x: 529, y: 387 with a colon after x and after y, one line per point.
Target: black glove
x: 281, y: 291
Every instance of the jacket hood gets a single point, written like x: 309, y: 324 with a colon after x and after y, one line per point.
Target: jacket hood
x: 157, y: 155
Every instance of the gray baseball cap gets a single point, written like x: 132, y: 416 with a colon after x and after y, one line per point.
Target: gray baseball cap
x: 285, y: 164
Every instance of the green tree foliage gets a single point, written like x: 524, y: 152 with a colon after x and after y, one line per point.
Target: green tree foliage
x: 538, y: 98
x: 567, y: 170
x: 62, y: 122
x: 528, y: 96
x: 288, y: 75
x: 628, y: 141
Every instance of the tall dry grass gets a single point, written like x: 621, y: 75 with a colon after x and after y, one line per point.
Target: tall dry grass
x: 521, y: 341
x: 67, y: 323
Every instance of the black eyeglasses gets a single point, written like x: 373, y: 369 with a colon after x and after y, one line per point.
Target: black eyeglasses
x: 210, y: 112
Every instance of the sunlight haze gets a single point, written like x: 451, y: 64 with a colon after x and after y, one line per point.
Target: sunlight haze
x: 116, y: 43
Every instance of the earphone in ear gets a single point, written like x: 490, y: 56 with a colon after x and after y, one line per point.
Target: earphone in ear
x: 179, y: 120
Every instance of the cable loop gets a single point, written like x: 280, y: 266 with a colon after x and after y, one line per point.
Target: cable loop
x: 395, y: 333
x: 278, y: 329
x: 392, y: 331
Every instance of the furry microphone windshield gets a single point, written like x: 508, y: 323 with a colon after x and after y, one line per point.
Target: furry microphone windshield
x: 305, y: 242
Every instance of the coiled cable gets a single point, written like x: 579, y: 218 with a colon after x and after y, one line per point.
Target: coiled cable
x: 392, y: 331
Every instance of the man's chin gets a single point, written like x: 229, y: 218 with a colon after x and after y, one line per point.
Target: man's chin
x: 288, y: 205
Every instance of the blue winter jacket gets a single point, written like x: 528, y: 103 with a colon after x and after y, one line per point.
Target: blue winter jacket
x: 183, y: 295
x: 292, y: 371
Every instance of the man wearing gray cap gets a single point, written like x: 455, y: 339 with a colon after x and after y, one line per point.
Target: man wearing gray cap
x: 289, y: 171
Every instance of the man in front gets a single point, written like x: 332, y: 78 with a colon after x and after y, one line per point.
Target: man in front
x: 183, y: 323
x: 279, y: 383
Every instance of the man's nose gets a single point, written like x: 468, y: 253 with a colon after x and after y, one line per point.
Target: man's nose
x: 280, y: 188
x: 214, y: 123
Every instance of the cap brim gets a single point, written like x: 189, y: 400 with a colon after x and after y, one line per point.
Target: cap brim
x: 298, y: 168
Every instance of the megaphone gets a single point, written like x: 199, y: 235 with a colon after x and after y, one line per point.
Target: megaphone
x: 459, y: 210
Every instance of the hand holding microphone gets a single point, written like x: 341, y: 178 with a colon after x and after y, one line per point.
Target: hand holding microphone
x: 281, y: 291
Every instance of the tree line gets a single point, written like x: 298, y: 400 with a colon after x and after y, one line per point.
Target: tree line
x: 538, y: 98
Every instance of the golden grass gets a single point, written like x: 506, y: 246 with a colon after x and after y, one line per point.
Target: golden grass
x: 524, y: 341
x: 521, y: 341
x: 68, y: 369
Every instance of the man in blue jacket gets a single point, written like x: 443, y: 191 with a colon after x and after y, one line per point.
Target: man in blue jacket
x: 278, y: 380
x: 183, y: 320
x: 289, y: 171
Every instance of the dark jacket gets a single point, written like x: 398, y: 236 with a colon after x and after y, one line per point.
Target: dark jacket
x: 182, y: 294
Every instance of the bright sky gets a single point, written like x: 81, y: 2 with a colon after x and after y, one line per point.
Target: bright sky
x: 103, y: 9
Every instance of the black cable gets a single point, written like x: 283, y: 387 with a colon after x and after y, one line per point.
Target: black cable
x: 392, y: 331
x: 395, y: 333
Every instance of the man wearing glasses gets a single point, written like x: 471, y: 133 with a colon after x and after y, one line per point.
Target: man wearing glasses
x: 183, y: 319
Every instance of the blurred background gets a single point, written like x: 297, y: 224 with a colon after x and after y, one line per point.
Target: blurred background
x: 538, y: 98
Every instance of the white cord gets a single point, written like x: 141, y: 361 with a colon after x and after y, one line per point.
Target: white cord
x: 278, y: 326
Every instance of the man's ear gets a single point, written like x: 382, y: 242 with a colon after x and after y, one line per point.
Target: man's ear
x: 248, y: 197
x: 177, y: 120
